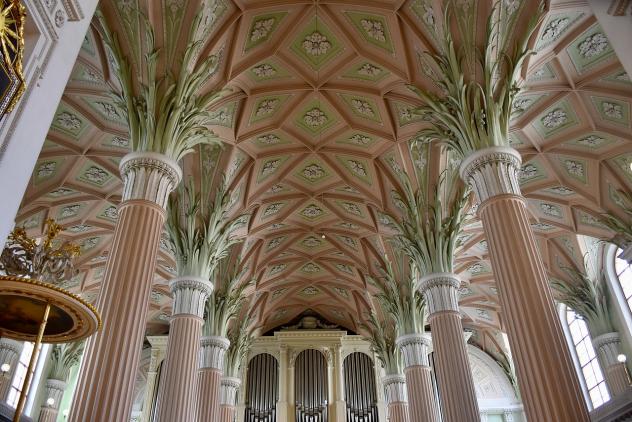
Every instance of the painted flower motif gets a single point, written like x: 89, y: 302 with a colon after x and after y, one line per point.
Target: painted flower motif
x: 61, y: 192
x: 550, y: 209
x: 623, y: 76
x: 70, y: 211
x: 484, y: 314
x: 275, y: 242
x: 591, y: 141
x: 542, y: 226
x: 561, y: 190
x: 405, y: 114
x: 315, y: 118
x: 276, y: 226
x: 311, y: 242
x: 276, y: 188
x: 310, y: 267
x: 313, y: 172
x: 272, y: 209
x: 108, y: 110
x: 521, y: 105
x: 96, y: 175
x: 367, y: 69
x: 348, y: 241
x: 344, y: 268
x: 555, y: 118
x: 373, y: 29
x: 267, y: 107
x: 351, y: 208
x: 46, y: 169
x: 261, y: 29
x: 528, y: 171
x: 614, y: 111
x: 359, y: 139
x: 264, y: 70
x: 89, y: 243
x: 554, y: 28
x: 270, y: 167
x: 111, y: 213
x: 574, y: 168
x: 312, y: 211
x: 316, y: 44
x: 79, y: 228
x: 269, y: 139
x: 278, y: 292
x: 362, y: 107
x: 348, y: 189
x: 348, y: 226
x: 68, y: 121
x: 121, y: 142
x: 357, y: 167
x: 593, y: 46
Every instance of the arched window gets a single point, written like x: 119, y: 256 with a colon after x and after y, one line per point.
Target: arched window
x: 586, y: 360
x: 624, y: 273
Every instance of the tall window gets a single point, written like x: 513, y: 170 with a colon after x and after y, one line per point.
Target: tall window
x: 20, y: 374
x: 624, y: 273
x: 587, y: 359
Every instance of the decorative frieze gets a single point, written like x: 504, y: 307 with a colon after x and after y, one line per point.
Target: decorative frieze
x: 415, y: 349
x: 492, y: 171
x: 190, y: 295
x: 395, y: 389
x: 212, y: 351
x: 441, y: 291
x: 228, y: 391
x: 54, y: 393
x: 149, y: 176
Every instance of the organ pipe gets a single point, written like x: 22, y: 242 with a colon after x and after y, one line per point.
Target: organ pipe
x: 360, y: 388
x: 311, y: 387
x: 262, y: 391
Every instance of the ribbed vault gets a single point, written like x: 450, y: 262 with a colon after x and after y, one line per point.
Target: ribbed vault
x: 317, y: 120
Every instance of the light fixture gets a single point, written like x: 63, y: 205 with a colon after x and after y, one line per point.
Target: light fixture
x: 50, y: 401
x: 322, y: 235
x: 5, y: 368
x: 622, y: 358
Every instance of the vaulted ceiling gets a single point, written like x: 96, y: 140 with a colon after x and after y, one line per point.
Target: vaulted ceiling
x: 317, y: 120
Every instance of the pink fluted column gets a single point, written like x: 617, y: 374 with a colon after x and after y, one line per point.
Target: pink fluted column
x: 176, y: 396
x: 546, y: 375
x: 106, y: 382
x: 608, y: 347
x: 212, y: 353
x: 452, y: 365
x: 396, y: 398
x: 422, y: 403
x: 228, y: 398
x: 54, y: 390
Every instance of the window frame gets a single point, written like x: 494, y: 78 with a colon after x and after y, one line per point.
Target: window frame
x: 622, y: 309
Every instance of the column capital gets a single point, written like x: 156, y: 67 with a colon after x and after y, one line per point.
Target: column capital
x: 190, y: 295
x: 415, y: 349
x: 149, y: 176
x: 492, y: 171
x: 608, y: 345
x: 212, y: 351
x: 441, y: 292
x: 395, y: 389
x: 54, y: 390
x: 228, y: 391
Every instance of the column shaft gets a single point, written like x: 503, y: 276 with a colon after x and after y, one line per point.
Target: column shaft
x: 105, y: 389
x: 398, y: 412
x: 209, y: 381
x: 48, y: 414
x: 546, y: 374
x: 176, y: 397
x: 106, y: 383
x: 226, y: 413
x: 454, y: 376
x: 422, y: 403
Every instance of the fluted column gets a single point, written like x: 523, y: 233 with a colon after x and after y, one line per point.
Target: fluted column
x: 176, y: 397
x: 452, y: 366
x: 608, y: 347
x: 52, y: 398
x: 282, y: 404
x: 396, y: 398
x: 106, y: 382
x: 422, y: 403
x: 339, y: 389
x: 546, y: 374
x: 9, y: 354
x: 228, y: 398
x: 212, y: 353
